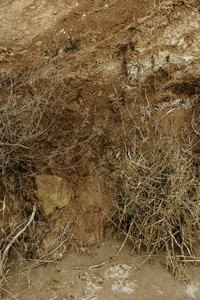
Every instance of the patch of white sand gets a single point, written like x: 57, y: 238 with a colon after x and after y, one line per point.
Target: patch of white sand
x: 193, y: 290
x: 124, y: 287
x: 119, y: 275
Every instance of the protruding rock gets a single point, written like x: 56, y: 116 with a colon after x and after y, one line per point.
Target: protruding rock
x: 53, y: 192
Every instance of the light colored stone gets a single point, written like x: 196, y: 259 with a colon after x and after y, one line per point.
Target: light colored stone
x: 53, y: 192
x: 160, y: 44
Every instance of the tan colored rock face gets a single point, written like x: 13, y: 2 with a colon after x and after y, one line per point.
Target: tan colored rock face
x: 166, y: 37
x: 52, y: 192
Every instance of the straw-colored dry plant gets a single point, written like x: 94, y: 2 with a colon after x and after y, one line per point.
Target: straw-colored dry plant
x: 157, y: 194
x: 35, y: 136
x: 29, y: 119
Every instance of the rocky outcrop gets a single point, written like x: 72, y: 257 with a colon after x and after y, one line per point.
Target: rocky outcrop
x: 166, y: 45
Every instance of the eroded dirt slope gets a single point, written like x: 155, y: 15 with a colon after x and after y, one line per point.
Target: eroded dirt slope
x: 108, y: 66
x: 107, y: 61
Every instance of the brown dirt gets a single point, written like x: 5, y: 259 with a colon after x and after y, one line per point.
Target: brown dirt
x: 87, y: 50
x: 129, y: 277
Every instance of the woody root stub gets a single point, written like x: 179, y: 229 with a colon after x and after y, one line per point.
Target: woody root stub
x: 52, y: 192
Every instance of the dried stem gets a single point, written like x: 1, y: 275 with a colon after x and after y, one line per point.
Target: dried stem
x: 5, y: 253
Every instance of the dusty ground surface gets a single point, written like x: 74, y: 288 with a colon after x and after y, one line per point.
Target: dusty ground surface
x: 111, y: 65
x: 129, y: 277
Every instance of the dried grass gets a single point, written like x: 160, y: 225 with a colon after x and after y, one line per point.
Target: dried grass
x: 16, y: 244
x: 35, y: 137
x: 158, y: 195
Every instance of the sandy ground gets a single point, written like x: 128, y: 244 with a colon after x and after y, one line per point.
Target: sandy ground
x: 128, y: 277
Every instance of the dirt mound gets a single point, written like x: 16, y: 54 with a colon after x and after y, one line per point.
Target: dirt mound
x: 98, y: 69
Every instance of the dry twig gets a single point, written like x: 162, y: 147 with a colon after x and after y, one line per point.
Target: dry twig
x: 5, y: 252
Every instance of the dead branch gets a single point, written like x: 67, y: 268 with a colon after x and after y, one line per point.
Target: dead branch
x: 192, y: 123
x: 4, y: 256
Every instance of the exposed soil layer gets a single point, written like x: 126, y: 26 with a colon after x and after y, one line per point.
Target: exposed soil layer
x: 106, y: 67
